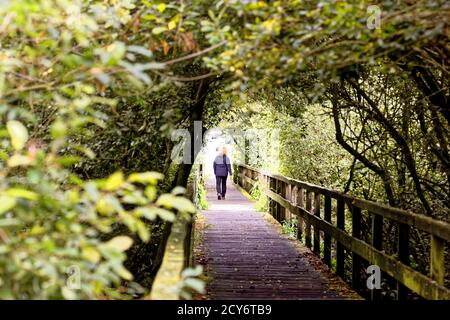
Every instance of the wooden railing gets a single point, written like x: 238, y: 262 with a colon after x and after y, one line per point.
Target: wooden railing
x: 177, y: 253
x: 321, y: 216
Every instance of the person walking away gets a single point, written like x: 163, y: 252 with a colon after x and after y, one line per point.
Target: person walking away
x: 222, y: 167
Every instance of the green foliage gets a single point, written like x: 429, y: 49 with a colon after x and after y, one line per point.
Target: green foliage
x: 47, y: 230
x: 289, y: 228
x: 190, y: 282
x: 202, y: 202
x: 90, y: 92
x: 257, y: 194
x: 309, y: 152
x: 63, y: 65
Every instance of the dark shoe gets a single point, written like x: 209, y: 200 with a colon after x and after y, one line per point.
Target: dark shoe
x: 223, y: 197
x: 219, y: 197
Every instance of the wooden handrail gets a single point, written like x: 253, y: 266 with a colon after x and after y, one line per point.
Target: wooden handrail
x: 175, y: 260
x: 177, y: 253
x: 429, y: 287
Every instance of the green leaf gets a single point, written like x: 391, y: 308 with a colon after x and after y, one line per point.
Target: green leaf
x: 58, y: 129
x: 150, y: 192
x: 114, y: 181
x: 178, y: 190
x: 18, y: 160
x: 140, y: 50
x: 165, y: 214
x: 146, y: 177
x: 124, y: 273
x: 6, y: 203
x: 91, y: 254
x: 159, y: 30
x: 22, y: 193
x: 18, y: 134
x: 161, y: 7
x: 195, y: 284
x: 179, y: 203
x: 151, y: 66
x: 68, y: 294
x: 143, y: 231
x: 119, y: 243
x: 116, y: 52
x: 148, y: 213
x: 192, y: 272
x: 103, y: 207
x: 9, y: 222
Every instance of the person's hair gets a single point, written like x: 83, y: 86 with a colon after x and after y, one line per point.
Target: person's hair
x: 223, y: 150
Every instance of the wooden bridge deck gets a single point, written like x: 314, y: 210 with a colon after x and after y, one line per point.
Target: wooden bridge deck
x: 245, y: 256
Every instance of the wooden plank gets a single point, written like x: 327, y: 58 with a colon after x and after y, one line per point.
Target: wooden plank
x: 437, y: 268
x: 327, y: 237
x: 356, y: 260
x: 317, y: 204
x: 308, y: 225
x: 340, y: 253
x: 421, y: 222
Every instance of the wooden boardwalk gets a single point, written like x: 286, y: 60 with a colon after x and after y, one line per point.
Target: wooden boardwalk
x: 245, y: 256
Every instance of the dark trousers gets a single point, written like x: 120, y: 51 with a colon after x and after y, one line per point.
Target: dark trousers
x: 221, y: 185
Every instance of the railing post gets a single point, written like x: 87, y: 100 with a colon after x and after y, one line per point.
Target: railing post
x: 300, y: 203
x: 271, y: 202
x: 403, y: 256
x: 308, y: 225
x: 317, y: 203
x: 340, y: 222
x: 356, y: 260
x: 327, y: 238
x: 377, y: 243
x: 437, y: 267
x: 289, y: 198
x: 277, y: 205
x: 282, y: 193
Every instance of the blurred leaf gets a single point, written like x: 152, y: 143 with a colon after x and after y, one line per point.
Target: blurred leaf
x: 192, y: 272
x: 161, y: 7
x: 9, y: 222
x: 18, y: 133
x: 22, y: 193
x: 120, y: 243
x: 68, y: 294
x: 144, y: 177
x: 179, y: 203
x: 114, y: 181
x: 91, y: 254
x: 6, y: 203
x: 178, y: 190
x: 159, y: 30
x: 196, y: 284
x: 141, y: 50
x: 17, y: 160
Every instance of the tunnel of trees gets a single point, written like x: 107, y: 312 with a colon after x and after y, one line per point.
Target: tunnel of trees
x: 90, y: 92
